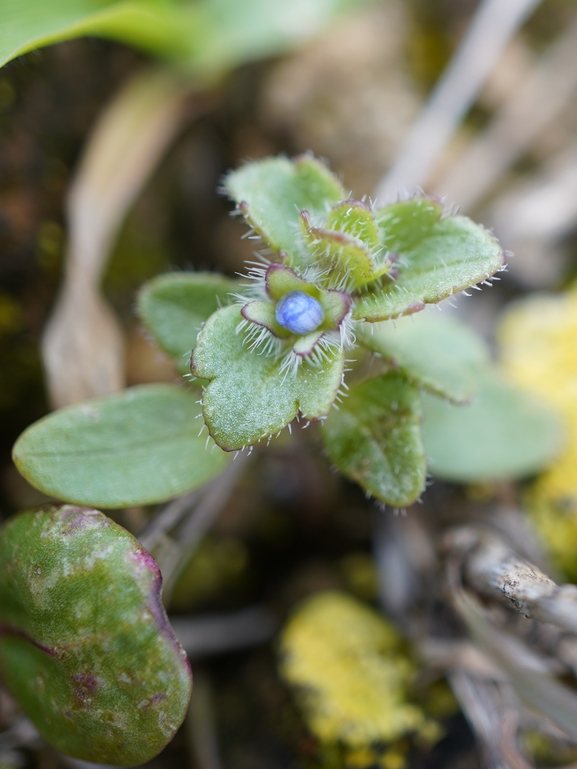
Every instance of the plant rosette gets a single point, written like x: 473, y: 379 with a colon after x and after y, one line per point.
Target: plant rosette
x: 332, y: 267
x: 318, y: 303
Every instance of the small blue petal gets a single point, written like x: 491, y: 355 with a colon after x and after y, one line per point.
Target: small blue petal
x: 299, y: 313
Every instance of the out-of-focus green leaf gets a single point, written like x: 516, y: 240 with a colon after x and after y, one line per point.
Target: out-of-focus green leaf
x: 207, y: 36
x: 249, y: 397
x: 502, y: 434
x: 437, y: 258
x: 136, y: 448
x: 439, y: 353
x: 85, y: 644
x: 173, y: 307
x: 375, y: 439
x: 155, y: 25
x: 272, y: 193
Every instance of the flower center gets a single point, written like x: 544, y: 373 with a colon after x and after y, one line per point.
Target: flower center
x: 299, y: 313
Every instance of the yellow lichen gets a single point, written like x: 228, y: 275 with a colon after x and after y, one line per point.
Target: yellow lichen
x: 538, y: 341
x: 350, y: 674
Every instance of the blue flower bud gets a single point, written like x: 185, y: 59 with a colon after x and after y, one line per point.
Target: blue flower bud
x: 299, y: 313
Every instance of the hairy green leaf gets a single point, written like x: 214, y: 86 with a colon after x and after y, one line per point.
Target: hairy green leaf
x: 173, y: 307
x: 375, y: 439
x: 439, y: 353
x: 437, y: 259
x: 249, y: 398
x: 135, y: 448
x: 85, y: 644
x: 271, y: 193
x: 502, y: 434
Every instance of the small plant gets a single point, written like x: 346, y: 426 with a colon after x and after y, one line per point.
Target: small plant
x: 316, y: 331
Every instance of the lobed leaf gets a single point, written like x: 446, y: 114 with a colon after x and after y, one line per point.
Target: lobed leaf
x: 375, y: 439
x: 249, y: 398
x: 440, y: 354
x: 503, y: 434
x: 173, y: 307
x: 85, y: 644
x: 436, y: 260
x: 272, y: 192
x: 135, y: 448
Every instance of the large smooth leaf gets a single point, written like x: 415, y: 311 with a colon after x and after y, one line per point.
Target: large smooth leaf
x: 502, y: 434
x: 139, y: 447
x: 436, y: 260
x: 249, y: 397
x: 155, y: 25
x: 208, y: 36
x: 85, y: 644
x: 174, y: 306
x: 438, y: 353
x: 375, y: 439
x: 272, y: 193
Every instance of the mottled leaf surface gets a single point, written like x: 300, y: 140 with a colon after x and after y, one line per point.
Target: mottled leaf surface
x: 85, y: 644
x: 375, y: 439
x: 249, y: 398
x: 437, y: 352
x: 452, y: 254
x: 173, y: 307
x: 502, y: 434
x: 138, y: 447
x: 272, y: 192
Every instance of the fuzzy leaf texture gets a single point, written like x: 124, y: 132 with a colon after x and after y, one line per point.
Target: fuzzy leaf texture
x: 108, y: 685
x: 249, y: 398
x: 502, y: 434
x: 375, y: 439
x: 437, y: 257
x: 138, y: 447
x: 437, y: 353
x: 173, y: 308
x: 272, y: 192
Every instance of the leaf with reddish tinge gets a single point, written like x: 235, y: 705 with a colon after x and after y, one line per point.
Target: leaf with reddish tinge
x: 85, y: 644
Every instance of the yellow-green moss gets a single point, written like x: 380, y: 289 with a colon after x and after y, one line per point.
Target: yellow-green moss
x: 538, y: 341
x: 350, y: 675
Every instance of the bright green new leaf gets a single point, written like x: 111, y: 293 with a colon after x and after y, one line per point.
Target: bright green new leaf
x: 158, y: 26
x: 135, y: 448
x: 375, y: 439
x: 504, y: 433
x: 271, y: 193
x: 451, y: 255
x: 249, y: 397
x: 173, y: 307
x: 208, y: 37
x: 85, y: 644
x: 439, y: 353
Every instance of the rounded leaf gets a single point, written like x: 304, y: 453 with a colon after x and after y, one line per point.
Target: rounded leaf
x: 138, y: 447
x: 85, y: 644
x: 502, y: 434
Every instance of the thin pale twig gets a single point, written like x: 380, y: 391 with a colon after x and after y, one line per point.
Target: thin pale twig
x: 494, y: 23
x: 497, y: 571
x: 204, y: 636
x: 546, y: 91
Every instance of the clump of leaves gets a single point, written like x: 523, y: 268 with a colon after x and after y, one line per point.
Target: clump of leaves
x: 85, y: 644
x: 350, y: 674
x: 324, y: 302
